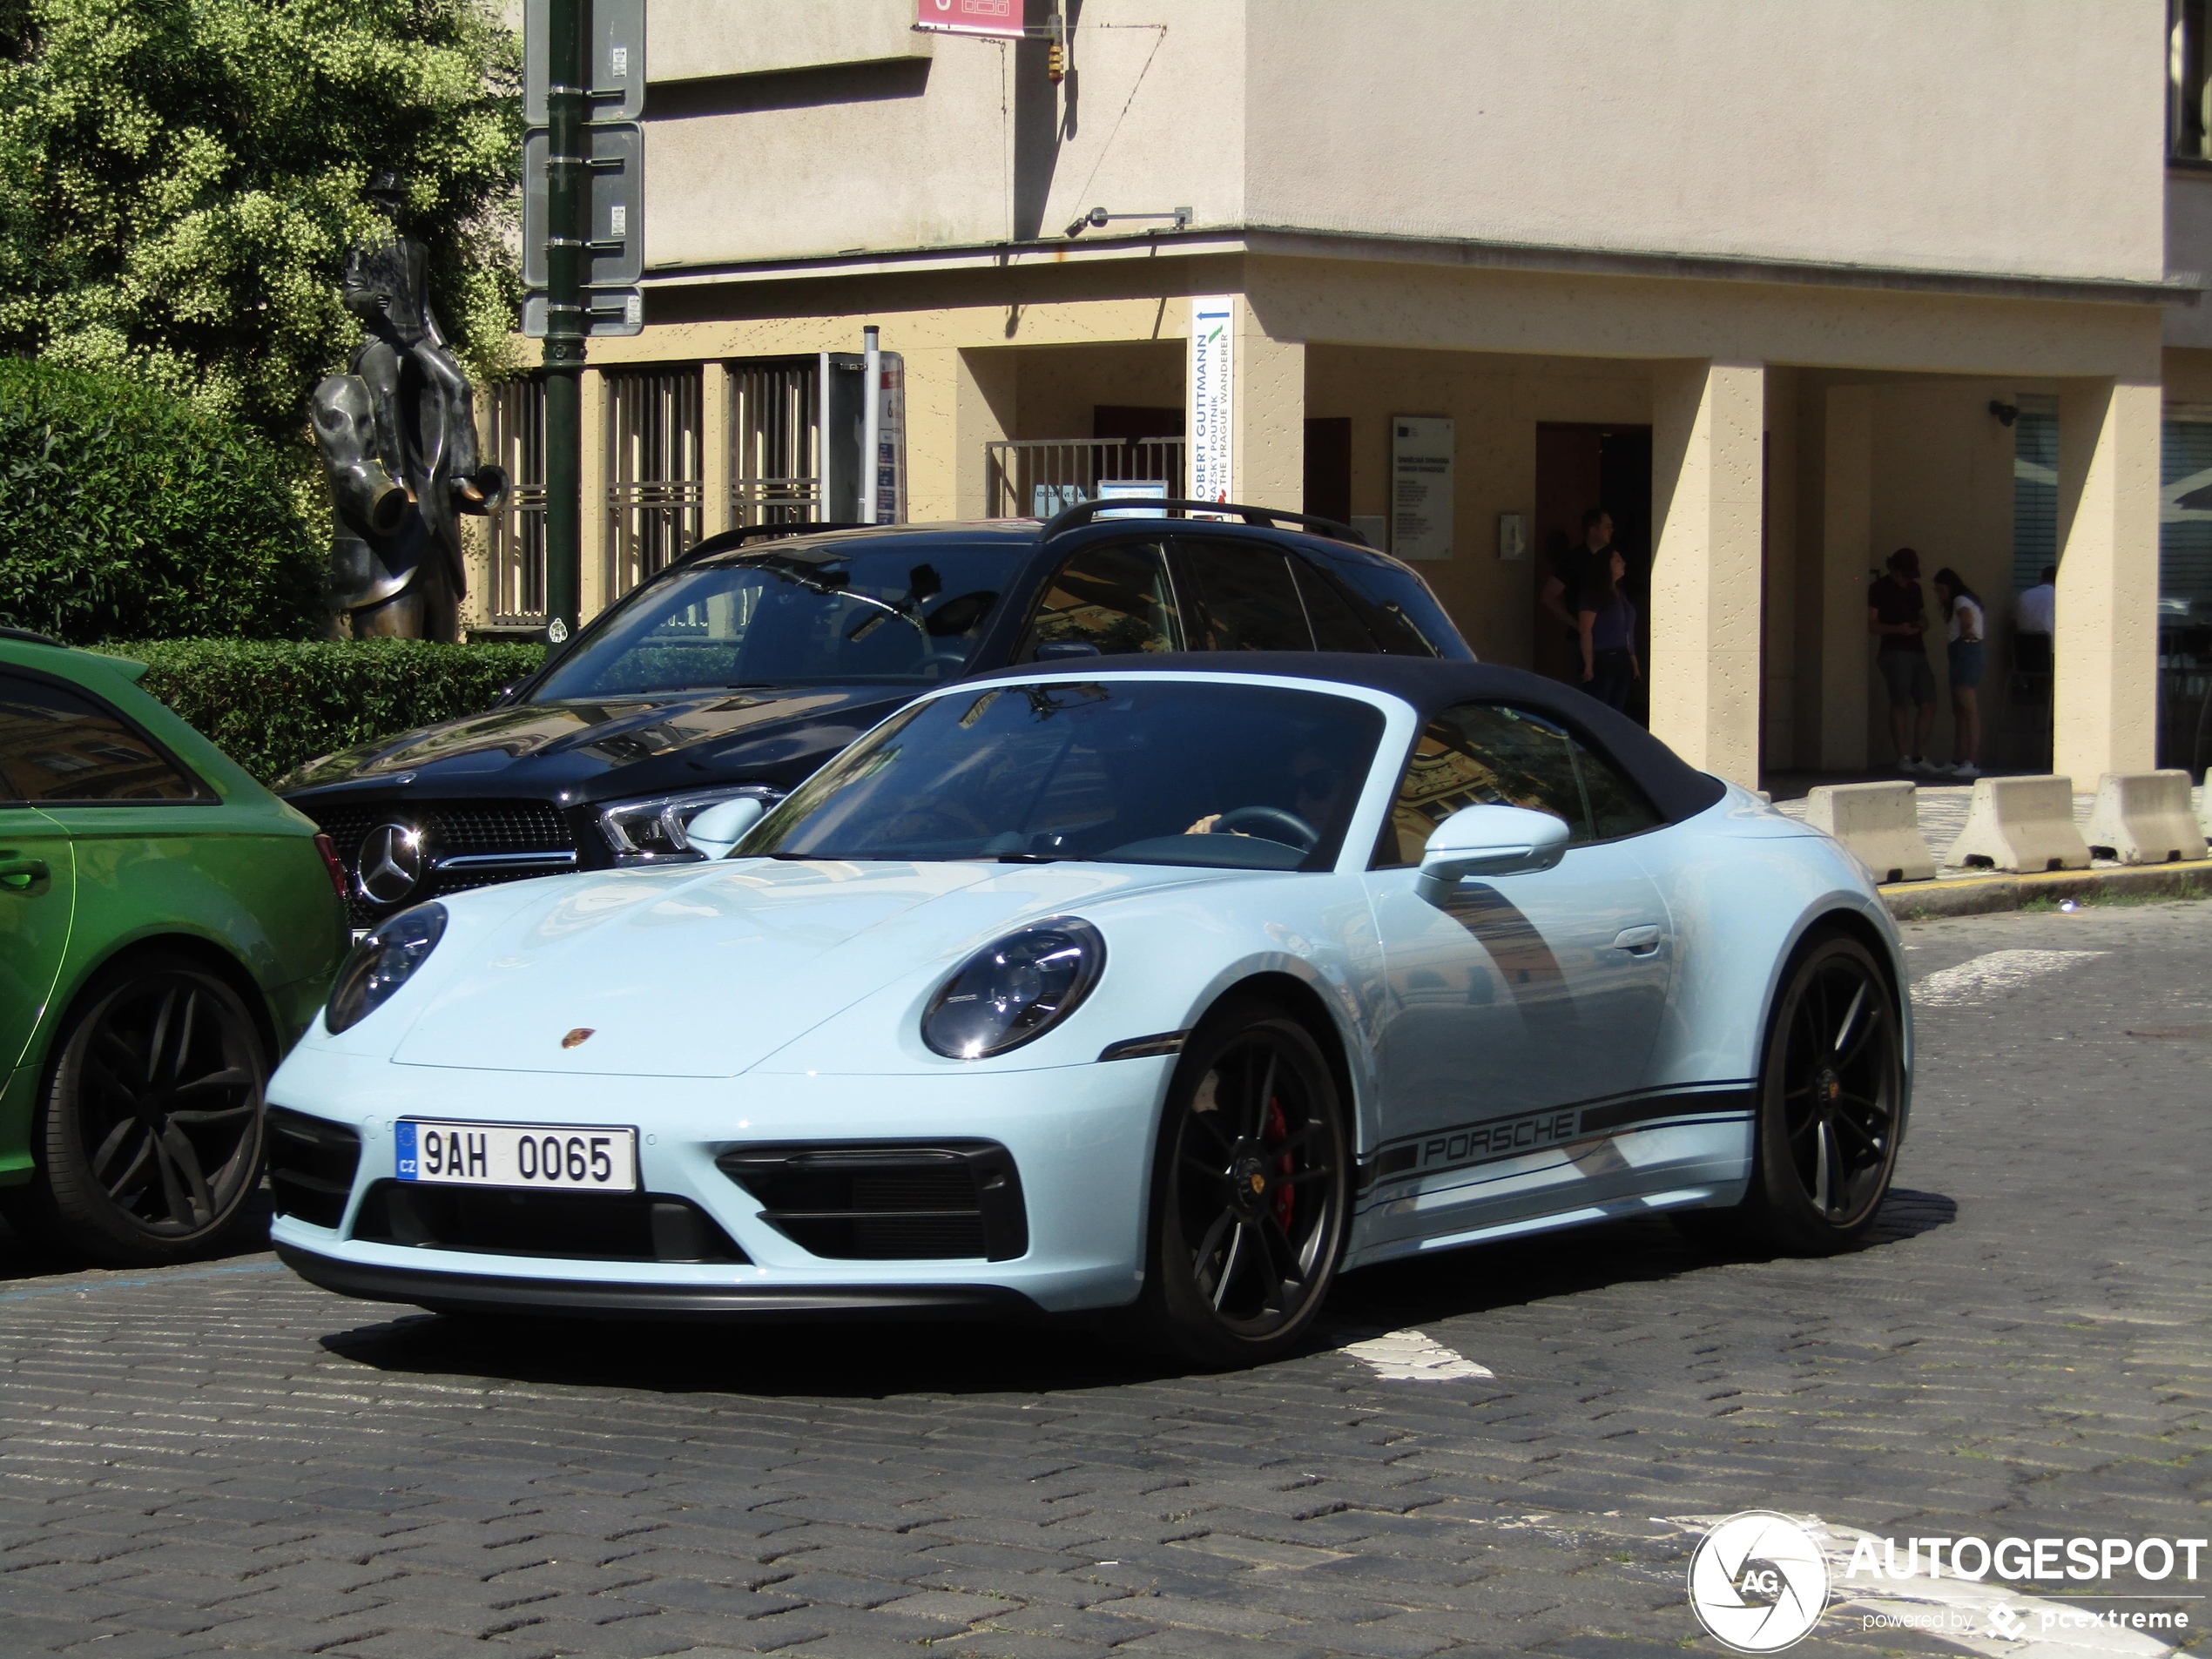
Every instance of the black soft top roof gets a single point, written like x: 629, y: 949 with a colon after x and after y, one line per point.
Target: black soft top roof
x: 1432, y: 684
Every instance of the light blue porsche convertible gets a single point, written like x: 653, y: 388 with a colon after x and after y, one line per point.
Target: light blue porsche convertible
x: 1141, y: 984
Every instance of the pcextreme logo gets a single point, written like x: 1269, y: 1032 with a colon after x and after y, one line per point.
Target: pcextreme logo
x: 1758, y: 1582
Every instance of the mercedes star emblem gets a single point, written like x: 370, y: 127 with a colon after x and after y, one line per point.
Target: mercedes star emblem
x: 391, y: 863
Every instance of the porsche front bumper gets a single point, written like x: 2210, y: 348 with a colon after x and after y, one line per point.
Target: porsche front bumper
x: 1080, y: 1138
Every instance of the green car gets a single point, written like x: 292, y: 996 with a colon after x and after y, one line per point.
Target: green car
x: 167, y: 929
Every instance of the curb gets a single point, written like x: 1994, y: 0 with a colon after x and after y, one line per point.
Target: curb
x: 1979, y: 896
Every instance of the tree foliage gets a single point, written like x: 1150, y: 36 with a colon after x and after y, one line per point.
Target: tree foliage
x: 180, y: 179
x: 128, y: 513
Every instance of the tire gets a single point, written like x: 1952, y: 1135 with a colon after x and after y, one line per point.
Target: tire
x: 1247, y: 1216
x: 148, y: 1138
x: 1830, y: 1105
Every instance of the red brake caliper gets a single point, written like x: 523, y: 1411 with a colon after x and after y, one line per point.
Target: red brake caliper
x: 1279, y: 1130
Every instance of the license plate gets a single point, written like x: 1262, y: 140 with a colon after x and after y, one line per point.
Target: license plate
x: 544, y: 1156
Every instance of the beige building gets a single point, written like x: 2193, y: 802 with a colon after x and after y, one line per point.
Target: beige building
x: 1782, y: 287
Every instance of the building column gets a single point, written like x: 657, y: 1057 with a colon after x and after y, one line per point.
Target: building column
x: 983, y: 396
x: 1268, y: 461
x: 595, y: 583
x: 1706, y: 497
x: 1846, y: 555
x: 714, y: 449
x: 2105, y: 696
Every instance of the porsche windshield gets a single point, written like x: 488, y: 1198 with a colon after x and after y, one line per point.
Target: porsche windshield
x: 1140, y: 771
x: 786, y: 616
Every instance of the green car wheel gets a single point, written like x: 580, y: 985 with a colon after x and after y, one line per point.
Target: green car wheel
x: 152, y: 1123
x: 167, y: 928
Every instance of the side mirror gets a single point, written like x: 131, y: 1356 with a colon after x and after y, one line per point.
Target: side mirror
x: 1489, y: 841
x: 1055, y: 650
x: 721, y: 826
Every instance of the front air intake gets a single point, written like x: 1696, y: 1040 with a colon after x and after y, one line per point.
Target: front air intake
x: 310, y: 1166
x: 937, y: 1201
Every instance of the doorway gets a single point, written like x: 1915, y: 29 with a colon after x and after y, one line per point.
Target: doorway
x: 1580, y: 466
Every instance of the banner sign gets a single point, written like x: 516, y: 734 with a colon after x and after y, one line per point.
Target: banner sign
x: 1005, y: 19
x: 1420, y: 486
x: 1212, y: 415
x: 891, y: 441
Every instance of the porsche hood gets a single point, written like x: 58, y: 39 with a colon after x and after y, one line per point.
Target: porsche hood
x: 707, y: 972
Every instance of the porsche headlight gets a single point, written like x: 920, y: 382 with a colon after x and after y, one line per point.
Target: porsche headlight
x: 1015, y: 990
x: 649, y: 831
x: 384, y: 959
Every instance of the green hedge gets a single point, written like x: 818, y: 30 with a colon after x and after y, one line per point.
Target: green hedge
x: 127, y: 513
x: 274, y: 704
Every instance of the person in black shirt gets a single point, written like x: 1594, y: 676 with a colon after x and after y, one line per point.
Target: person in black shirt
x: 1897, y: 614
x: 1576, y: 568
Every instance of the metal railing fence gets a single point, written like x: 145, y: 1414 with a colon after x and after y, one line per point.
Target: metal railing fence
x: 1037, y: 478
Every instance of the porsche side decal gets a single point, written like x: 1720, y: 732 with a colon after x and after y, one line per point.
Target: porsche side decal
x: 1487, y: 1140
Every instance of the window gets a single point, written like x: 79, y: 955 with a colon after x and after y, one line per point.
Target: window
x: 1481, y: 755
x: 1336, y: 625
x: 2035, y: 489
x: 1199, y: 772
x: 654, y: 469
x: 1116, y: 597
x: 58, y: 746
x: 515, y: 434
x: 1399, y: 611
x: 794, y: 615
x: 2187, y: 131
x: 1251, y: 598
x: 775, y: 443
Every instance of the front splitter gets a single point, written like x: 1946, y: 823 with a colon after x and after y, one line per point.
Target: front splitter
x: 586, y: 1298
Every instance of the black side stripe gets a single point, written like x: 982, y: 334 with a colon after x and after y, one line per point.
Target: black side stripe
x: 1491, y: 1140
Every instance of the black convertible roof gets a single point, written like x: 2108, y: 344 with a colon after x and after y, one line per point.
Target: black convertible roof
x: 1432, y: 684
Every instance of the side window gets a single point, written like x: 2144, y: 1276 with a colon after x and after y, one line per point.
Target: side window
x: 1480, y: 753
x: 1401, y: 613
x: 1250, y: 599
x: 59, y: 745
x: 1336, y: 624
x: 1116, y: 596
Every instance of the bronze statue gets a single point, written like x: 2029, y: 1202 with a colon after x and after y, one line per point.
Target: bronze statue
x: 398, y: 436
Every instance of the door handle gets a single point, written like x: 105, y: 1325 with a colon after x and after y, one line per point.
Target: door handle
x: 16, y: 874
x: 1638, y: 941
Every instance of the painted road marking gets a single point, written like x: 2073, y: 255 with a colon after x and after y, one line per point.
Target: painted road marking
x: 1408, y: 1356
x: 1987, y: 976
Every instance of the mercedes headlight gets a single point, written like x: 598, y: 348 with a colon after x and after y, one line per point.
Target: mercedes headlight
x: 384, y: 959
x: 645, y: 832
x: 1016, y: 990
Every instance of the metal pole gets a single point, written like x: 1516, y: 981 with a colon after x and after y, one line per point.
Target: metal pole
x: 871, y: 421
x: 568, y: 188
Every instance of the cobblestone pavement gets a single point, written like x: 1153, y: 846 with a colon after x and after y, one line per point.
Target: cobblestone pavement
x: 219, y: 1458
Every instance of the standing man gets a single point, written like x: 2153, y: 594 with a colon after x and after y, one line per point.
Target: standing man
x: 1897, y: 614
x: 1575, y: 569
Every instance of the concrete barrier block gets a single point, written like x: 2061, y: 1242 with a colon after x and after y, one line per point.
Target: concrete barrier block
x: 2021, y: 824
x: 2204, y: 804
x: 2145, y: 817
x: 1879, y: 825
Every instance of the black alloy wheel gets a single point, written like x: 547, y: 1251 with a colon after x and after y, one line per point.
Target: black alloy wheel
x: 1832, y: 1100
x: 149, y: 1142
x: 1250, y: 1192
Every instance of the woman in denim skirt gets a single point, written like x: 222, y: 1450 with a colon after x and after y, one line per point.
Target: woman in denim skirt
x: 1962, y: 611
